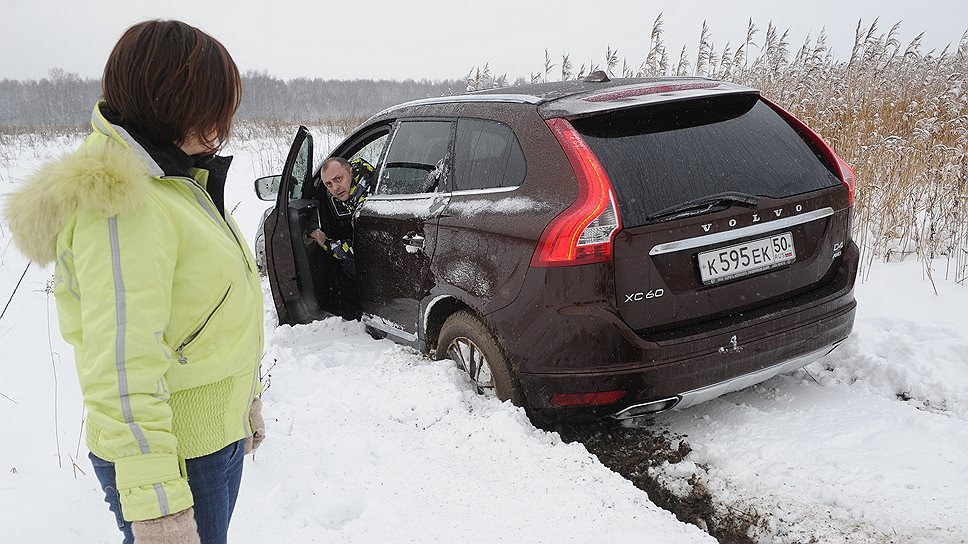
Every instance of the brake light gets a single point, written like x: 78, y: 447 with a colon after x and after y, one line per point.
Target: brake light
x: 583, y: 233
x: 844, y: 172
x: 597, y: 398
x: 847, y: 176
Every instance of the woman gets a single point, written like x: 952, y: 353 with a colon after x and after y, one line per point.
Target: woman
x: 156, y: 289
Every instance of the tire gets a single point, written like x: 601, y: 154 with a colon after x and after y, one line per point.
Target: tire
x: 464, y: 335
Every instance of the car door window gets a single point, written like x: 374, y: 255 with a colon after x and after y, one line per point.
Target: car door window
x: 487, y: 155
x: 369, y: 148
x: 372, y: 151
x: 418, y: 160
x: 299, y: 188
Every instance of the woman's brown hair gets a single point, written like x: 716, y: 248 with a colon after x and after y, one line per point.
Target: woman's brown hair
x: 171, y: 82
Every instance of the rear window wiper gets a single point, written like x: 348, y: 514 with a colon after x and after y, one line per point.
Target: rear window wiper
x: 699, y: 206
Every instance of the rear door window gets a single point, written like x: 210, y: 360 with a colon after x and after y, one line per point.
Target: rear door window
x: 418, y: 160
x: 487, y: 156
x: 665, y: 155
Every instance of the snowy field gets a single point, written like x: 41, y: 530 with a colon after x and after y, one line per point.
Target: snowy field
x: 371, y: 442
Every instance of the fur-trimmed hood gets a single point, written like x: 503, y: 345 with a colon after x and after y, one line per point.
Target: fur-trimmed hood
x: 103, y: 175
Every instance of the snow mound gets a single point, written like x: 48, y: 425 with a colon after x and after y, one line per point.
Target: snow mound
x: 369, y: 441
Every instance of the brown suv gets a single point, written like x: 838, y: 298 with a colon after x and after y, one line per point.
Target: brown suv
x: 585, y: 248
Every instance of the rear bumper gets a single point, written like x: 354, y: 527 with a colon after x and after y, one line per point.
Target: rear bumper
x: 700, y: 369
x: 709, y: 392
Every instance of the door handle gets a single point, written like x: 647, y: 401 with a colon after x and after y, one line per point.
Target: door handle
x: 414, y: 240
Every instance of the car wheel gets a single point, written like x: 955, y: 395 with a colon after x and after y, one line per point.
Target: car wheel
x: 466, y: 340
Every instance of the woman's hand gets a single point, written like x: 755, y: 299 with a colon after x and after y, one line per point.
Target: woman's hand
x: 177, y: 528
x: 258, y: 426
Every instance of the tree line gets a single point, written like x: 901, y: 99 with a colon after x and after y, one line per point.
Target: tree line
x: 64, y: 99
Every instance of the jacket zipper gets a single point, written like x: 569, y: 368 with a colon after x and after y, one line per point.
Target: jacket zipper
x: 206, y: 200
x: 180, y: 350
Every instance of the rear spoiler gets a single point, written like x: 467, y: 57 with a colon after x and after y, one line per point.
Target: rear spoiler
x: 637, y: 95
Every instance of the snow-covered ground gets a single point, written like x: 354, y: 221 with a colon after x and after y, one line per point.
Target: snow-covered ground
x: 870, y: 445
x: 371, y: 442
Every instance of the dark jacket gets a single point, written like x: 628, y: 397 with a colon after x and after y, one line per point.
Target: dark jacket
x: 359, y: 189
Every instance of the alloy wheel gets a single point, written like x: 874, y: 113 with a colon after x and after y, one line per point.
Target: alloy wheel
x: 472, y: 360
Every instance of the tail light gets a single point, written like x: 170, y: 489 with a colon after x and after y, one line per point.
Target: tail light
x: 583, y: 233
x: 843, y: 170
x: 847, y: 176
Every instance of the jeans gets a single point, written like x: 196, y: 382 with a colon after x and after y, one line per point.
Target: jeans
x: 214, y: 480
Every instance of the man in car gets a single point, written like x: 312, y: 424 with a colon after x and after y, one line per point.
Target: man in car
x: 350, y: 182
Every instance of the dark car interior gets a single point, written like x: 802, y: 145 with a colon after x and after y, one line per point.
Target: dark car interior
x: 332, y: 289
x: 334, y: 292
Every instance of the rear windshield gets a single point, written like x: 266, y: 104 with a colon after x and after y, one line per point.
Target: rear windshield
x: 661, y: 156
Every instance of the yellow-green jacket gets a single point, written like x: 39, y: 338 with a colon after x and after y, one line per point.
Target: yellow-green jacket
x: 158, y: 294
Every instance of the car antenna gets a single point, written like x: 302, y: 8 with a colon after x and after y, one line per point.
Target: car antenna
x: 598, y: 76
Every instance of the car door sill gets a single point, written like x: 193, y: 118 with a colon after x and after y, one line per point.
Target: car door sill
x: 392, y: 329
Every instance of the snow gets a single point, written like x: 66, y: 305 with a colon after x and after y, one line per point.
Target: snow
x: 422, y: 206
x: 466, y: 273
x: 507, y: 205
x: 393, y: 447
x: 836, y: 449
x: 369, y: 441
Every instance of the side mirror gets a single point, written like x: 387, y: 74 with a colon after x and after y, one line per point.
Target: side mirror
x: 268, y: 187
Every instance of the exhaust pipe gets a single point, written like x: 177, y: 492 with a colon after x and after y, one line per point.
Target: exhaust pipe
x: 628, y: 416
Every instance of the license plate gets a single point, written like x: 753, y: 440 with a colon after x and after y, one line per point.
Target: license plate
x: 747, y: 258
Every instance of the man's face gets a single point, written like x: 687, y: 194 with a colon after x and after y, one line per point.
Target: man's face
x: 337, y: 180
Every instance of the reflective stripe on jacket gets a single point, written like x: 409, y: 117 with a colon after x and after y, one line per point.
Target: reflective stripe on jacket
x: 158, y: 294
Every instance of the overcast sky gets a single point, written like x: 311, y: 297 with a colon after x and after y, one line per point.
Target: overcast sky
x: 438, y: 39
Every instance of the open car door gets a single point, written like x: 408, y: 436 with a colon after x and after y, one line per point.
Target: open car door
x: 295, y: 264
